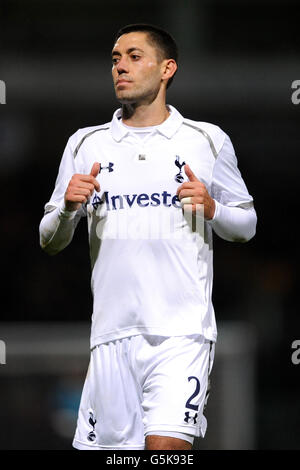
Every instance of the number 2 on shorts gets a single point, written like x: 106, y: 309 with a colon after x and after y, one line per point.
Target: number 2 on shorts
x: 188, y: 404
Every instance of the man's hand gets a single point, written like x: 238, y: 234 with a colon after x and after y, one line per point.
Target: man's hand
x: 196, y: 193
x: 81, y: 187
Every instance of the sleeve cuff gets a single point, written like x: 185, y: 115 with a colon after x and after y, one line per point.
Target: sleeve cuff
x: 216, y: 214
x: 64, y: 214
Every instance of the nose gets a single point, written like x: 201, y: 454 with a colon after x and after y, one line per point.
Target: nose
x: 122, y: 65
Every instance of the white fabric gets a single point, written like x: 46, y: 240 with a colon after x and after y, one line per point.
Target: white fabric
x: 234, y: 224
x: 57, y: 229
x: 140, y: 132
x: 152, y: 268
x: 143, y: 385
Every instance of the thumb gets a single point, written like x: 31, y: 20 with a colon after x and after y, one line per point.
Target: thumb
x: 190, y: 174
x: 95, y: 170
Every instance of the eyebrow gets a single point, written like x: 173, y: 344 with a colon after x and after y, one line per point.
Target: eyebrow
x: 131, y: 49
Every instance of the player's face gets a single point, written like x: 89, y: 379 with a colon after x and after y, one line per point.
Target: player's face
x: 136, y: 70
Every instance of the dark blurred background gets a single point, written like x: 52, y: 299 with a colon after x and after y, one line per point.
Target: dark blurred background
x: 238, y: 60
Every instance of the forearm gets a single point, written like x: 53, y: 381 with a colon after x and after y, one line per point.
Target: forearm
x: 234, y: 223
x: 56, y: 230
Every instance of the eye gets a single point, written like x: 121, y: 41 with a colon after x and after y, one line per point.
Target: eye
x: 115, y: 60
x: 135, y: 56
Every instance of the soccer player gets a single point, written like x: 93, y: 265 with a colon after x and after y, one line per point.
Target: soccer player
x: 153, y: 186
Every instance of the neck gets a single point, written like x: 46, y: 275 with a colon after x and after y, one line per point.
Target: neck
x: 144, y: 115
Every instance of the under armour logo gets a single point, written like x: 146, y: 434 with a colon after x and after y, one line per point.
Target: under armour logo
x: 179, y: 178
x: 92, y: 421
x: 188, y: 417
x: 109, y: 167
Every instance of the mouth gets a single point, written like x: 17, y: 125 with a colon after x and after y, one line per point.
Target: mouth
x: 122, y: 81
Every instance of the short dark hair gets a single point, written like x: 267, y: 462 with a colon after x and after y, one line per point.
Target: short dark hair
x: 161, y: 39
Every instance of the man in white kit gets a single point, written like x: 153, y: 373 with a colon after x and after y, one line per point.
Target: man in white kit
x: 153, y: 323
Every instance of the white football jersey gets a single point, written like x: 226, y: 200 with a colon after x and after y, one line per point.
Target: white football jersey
x: 152, y: 264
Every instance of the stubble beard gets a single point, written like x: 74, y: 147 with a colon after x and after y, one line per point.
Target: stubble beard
x: 144, y: 96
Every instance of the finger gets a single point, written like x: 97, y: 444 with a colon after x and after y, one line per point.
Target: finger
x: 95, y: 169
x: 191, y: 176
x: 87, y: 178
x: 84, y: 184
x: 83, y: 188
x: 186, y: 185
x: 186, y: 193
x: 95, y: 172
x: 81, y: 180
x: 82, y: 191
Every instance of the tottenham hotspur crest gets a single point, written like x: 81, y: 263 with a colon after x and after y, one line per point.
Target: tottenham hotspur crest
x: 92, y: 421
x: 179, y: 178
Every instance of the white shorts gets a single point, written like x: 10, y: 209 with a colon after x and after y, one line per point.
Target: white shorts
x: 144, y: 385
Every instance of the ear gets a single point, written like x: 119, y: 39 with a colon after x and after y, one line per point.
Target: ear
x: 169, y: 69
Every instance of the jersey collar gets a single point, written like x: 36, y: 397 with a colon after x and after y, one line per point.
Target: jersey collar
x: 168, y: 128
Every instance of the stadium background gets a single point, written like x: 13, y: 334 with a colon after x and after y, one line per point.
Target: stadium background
x: 238, y: 60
